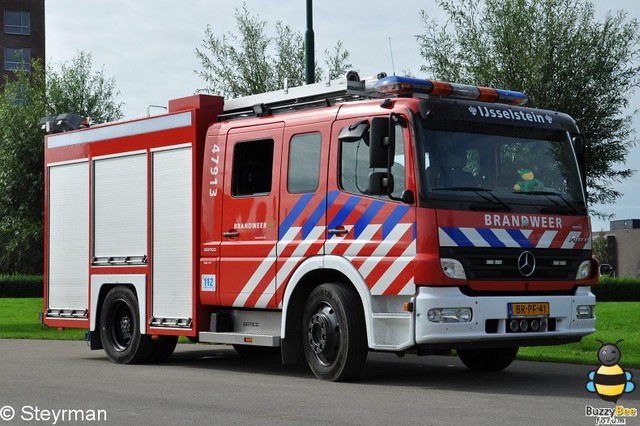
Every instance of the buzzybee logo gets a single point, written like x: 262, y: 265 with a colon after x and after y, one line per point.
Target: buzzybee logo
x: 610, y: 382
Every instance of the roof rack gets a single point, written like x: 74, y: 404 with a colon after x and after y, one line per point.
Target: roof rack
x: 324, y: 93
x: 351, y: 87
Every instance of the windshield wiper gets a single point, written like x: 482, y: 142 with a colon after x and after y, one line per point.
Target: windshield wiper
x: 492, y: 199
x: 559, y: 208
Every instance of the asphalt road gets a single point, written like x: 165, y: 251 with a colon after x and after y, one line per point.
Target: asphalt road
x: 46, y: 382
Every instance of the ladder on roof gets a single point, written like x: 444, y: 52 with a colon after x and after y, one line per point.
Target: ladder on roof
x: 347, y: 88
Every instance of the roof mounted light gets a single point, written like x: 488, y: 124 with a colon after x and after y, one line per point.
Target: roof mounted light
x: 395, y: 85
x: 63, y: 123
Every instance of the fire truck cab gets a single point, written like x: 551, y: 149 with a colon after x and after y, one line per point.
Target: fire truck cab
x: 390, y: 214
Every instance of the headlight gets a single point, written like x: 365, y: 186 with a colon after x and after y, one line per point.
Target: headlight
x: 584, y: 312
x: 449, y: 315
x: 584, y: 270
x: 453, y: 269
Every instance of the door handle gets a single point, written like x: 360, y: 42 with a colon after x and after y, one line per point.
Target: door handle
x: 338, y: 231
x: 231, y: 234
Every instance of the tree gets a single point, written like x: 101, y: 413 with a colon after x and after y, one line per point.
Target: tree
x: 24, y: 101
x: 560, y: 55
x: 251, y: 62
x: 76, y: 87
x: 21, y: 175
x: 600, y: 247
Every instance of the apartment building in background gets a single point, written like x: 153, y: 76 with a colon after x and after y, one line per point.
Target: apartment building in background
x: 22, y: 37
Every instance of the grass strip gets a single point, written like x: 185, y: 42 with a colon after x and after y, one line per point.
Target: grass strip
x: 614, y: 321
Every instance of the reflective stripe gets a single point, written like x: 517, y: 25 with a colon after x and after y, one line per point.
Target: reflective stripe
x: 512, y: 238
x: 119, y: 130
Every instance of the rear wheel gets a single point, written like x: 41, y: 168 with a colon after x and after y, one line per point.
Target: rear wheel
x: 334, y: 333
x: 494, y: 359
x: 120, y: 328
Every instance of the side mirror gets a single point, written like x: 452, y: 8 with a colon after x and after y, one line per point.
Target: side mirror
x: 380, y: 142
x: 380, y: 183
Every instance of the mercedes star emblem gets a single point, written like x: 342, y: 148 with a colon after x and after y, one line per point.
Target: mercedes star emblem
x: 526, y: 263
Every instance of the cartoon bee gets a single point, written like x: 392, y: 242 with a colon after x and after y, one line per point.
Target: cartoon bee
x: 610, y: 380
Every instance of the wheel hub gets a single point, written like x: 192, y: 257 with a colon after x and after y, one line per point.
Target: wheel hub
x: 125, y: 327
x: 323, y: 334
x: 121, y: 328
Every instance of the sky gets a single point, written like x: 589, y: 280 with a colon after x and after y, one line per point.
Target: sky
x: 148, y: 47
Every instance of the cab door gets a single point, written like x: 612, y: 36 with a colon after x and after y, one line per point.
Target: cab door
x: 303, y: 200
x: 250, y: 217
x: 376, y: 233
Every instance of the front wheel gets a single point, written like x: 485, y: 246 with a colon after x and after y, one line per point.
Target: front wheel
x: 120, y: 329
x: 494, y: 359
x: 334, y: 333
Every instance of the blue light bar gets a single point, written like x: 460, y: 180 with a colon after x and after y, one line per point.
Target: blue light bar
x: 511, y: 97
x: 408, y: 86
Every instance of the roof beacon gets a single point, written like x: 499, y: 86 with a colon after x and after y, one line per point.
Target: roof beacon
x: 414, y: 86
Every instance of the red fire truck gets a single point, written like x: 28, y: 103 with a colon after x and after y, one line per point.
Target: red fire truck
x: 324, y: 221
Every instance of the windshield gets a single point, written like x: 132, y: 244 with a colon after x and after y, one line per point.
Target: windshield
x: 519, y: 168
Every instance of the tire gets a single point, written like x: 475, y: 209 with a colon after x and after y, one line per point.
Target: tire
x: 495, y: 359
x: 164, y: 348
x: 334, y: 334
x: 120, y: 329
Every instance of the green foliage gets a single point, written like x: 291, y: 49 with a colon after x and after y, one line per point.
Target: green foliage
x: 21, y: 172
x: 612, y: 324
x: 24, y: 101
x: 21, y: 286
x: 600, y: 248
x: 560, y: 55
x: 611, y: 289
x: 619, y: 280
x: 250, y: 61
x: 75, y: 87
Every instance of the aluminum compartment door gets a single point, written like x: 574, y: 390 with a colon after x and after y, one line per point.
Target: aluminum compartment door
x: 68, y: 236
x: 172, y: 261
x: 120, y: 210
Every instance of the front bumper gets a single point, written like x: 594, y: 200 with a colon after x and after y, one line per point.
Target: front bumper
x: 489, y: 325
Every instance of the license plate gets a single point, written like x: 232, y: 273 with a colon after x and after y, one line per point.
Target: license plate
x: 525, y: 310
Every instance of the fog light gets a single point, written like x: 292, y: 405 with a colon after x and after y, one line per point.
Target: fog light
x: 543, y: 324
x: 584, y: 311
x: 583, y: 270
x: 535, y: 325
x: 452, y: 268
x: 513, y: 325
x: 524, y: 325
x: 448, y: 315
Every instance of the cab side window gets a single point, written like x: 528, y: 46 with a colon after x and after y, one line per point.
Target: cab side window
x: 252, y: 168
x: 304, y: 163
x: 355, y: 170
